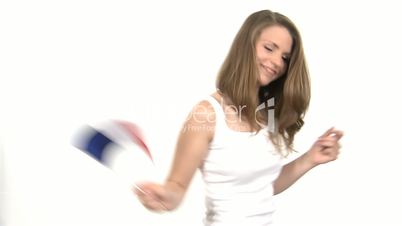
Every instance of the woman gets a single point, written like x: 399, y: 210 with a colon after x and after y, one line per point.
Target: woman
x: 238, y: 136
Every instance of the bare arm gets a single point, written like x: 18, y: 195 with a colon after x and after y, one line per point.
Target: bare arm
x: 191, y: 148
x: 324, y: 150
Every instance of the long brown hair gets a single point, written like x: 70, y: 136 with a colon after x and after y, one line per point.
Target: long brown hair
x: 238, y: 79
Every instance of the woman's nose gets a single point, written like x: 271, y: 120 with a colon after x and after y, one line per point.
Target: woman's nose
x: 277, y: 62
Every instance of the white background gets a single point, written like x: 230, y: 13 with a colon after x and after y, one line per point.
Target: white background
x: 67, y: 63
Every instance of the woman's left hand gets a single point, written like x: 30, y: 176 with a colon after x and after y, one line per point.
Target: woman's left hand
x: 326, y: 148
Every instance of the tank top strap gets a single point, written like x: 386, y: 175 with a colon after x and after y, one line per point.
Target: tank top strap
x: 219, y: 113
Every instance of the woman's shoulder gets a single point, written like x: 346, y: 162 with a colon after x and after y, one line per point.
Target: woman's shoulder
x: 203, y: 112
x: 204, y: 109
x: 206, y: 105
x: 201, y: 119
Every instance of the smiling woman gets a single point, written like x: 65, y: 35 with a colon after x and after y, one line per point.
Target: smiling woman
x: 68, y: 63
x: 239, y: 158
x: 273, y: 51
x: 266, y: 62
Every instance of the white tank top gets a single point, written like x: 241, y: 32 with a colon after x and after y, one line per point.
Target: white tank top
x: 238, y: 172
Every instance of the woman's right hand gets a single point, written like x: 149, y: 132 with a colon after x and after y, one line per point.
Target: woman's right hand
x: 157, y: 197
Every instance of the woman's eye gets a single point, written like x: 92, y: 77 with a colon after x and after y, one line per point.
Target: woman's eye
x: 285, y: 59
x: 268, y: 48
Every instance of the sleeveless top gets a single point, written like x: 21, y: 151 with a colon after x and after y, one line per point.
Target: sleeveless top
x: 239, y: 171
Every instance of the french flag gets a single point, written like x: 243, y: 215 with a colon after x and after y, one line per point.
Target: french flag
x: 119, y: 145
x: 111, y: 136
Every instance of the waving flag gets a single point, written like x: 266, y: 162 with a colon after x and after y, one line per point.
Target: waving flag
x: 120, y: 146
x: 99, y: 141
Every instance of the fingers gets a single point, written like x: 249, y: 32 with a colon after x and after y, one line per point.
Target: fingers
x: 332, y: 132
x: 337, y: 133
x: 330, y: 145
x: 152, y: 204
x: 327, y: 133
x: 329, y: 141
x: 327, y: 147
x: 151, y: 196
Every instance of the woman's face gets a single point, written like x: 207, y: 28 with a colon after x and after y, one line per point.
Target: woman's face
x: 273, y: 49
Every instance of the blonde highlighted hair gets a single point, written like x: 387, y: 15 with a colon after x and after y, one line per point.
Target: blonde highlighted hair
x: 238, y: 79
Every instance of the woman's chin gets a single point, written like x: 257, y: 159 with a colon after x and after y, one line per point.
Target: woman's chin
x: 266, y: 80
